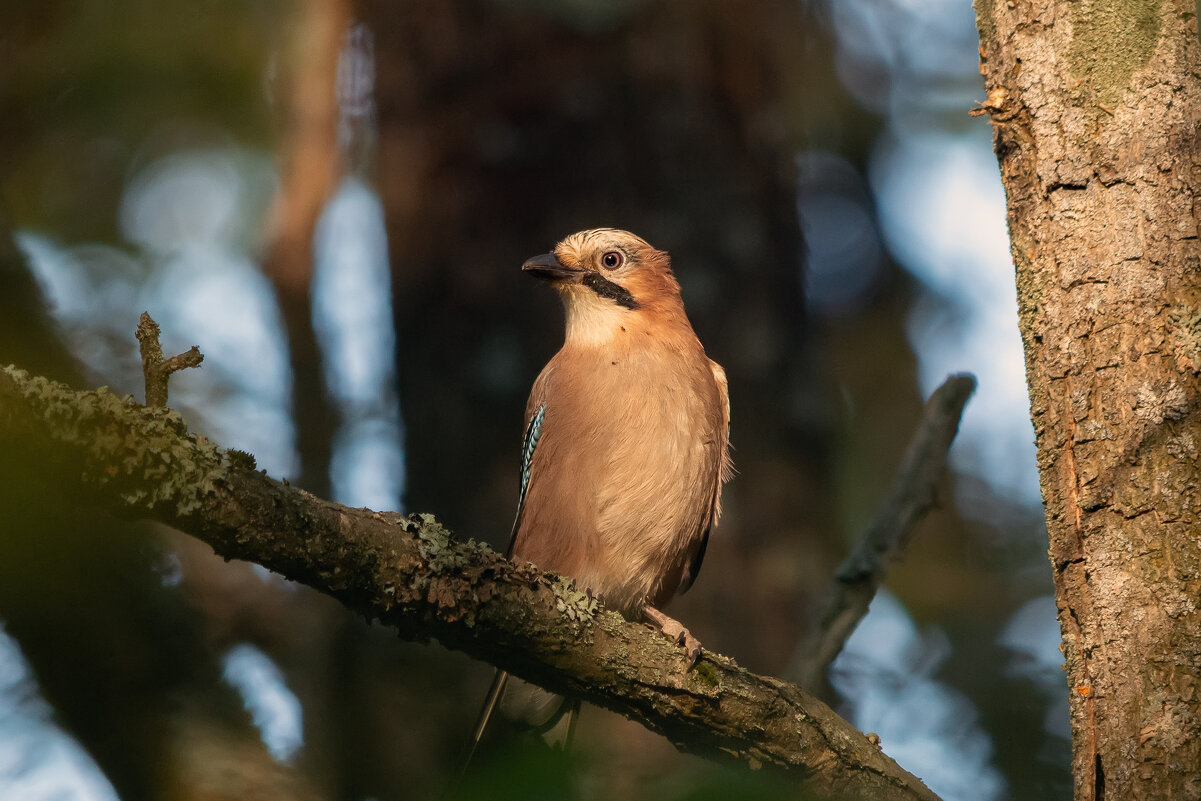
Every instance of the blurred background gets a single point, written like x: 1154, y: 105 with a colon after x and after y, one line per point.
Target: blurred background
x: 332, y: 198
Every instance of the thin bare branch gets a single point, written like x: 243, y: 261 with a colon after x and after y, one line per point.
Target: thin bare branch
x: 155, y: 369
x: 912, y: 495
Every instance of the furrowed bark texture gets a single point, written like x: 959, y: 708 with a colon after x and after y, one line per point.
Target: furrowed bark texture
x: 408, y: 573
x: 1095, y: 109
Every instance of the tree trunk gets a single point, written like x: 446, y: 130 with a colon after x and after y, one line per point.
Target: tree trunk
x: 1095, y: 111
x: 309, y: 172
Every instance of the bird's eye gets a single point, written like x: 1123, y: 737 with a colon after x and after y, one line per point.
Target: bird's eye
x: 612, y: 260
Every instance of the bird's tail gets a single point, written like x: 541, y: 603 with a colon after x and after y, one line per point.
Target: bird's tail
x: 538, y: 711
x: 490, y: 701
x: 573, y: 713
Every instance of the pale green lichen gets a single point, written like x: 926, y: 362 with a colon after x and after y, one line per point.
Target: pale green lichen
x: 146, y: 454
x: 1186, y: 330
x: 439, y: 548
x: 443, y: 553
x: 985, y: 24
x: 460, y: 569
x: 572, y: 603
x: 450, y: 577
x: 436, y: 545
x: 1111, y: 41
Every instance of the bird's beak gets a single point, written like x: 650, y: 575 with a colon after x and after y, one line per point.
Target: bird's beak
x: 549, y: 268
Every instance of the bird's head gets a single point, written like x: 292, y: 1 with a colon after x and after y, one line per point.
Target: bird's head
x: 608, y: 278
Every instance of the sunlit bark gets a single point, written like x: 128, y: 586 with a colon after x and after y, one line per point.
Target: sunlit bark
x: 1096, y: 109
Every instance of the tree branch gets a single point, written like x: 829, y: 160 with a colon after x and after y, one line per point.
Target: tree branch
x: 912, y: 495
x: 409, y: 573
x: 155, y: 369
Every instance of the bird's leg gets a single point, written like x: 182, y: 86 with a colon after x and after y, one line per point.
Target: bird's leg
x: 675, y: 629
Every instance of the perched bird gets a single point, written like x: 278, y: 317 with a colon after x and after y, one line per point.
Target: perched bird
x: 625, y: 449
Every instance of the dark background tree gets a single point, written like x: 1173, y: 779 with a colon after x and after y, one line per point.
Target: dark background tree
x: 486, y: 131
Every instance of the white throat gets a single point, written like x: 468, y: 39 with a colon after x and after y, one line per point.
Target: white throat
x: 592, y: 320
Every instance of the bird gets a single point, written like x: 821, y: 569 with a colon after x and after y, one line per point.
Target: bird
x: 625, y: 452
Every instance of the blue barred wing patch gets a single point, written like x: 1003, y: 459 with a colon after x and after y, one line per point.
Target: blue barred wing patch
x: 533, y: 432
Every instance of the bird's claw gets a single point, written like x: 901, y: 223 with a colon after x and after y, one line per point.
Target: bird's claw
x: 684, y: 637
x: 676, y: 631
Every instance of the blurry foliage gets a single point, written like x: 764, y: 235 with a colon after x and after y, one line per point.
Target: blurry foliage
x: 92, y: 89
x: 521, y: 769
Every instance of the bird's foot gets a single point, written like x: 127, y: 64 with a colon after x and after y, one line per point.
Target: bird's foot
x: 675, y: 629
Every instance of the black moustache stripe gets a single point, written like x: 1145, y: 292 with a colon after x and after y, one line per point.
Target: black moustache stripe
x: 605, y: 288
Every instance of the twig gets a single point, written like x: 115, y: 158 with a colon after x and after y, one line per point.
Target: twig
x: 155, y: 369
x: 912, y: 495
x: 409, y: 574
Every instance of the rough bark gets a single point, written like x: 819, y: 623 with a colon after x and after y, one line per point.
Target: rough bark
x: 1095, y: 109
x: 408, y: 573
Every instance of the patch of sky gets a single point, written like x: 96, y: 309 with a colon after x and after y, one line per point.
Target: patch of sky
x: 1033, y: 639
x: 352, y: 317
x: 907, y: 59
x: 38, y: 760
x: 274, y: 709
x: 942, y: 214
x: 885, y: 676
x: 843, y: 254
